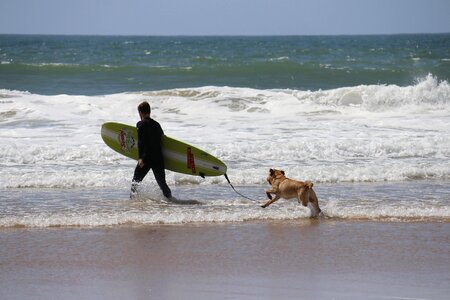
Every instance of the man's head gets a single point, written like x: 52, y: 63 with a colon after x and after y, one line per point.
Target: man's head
x: 144, y: 109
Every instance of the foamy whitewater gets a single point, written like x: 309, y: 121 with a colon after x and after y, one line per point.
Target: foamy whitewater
x: 55, y: 169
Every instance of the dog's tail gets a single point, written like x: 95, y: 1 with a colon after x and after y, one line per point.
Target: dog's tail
x: 309, y: 184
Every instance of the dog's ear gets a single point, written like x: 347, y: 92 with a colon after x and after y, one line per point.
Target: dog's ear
x: 272, y: 171
x: 282, y: 172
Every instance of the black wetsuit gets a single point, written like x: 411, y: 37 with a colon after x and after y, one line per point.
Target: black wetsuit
x: 149, y: 146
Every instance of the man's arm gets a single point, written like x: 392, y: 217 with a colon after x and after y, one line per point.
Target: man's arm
x: 141, y: 144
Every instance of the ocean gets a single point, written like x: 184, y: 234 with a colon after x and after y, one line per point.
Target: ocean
x: 366, y: 118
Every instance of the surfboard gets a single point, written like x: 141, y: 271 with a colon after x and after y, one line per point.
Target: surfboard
x: 178, y: 156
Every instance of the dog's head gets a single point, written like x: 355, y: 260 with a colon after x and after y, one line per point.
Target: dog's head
x: 274, y: 174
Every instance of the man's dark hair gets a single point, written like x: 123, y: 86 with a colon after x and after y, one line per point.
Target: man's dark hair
x: 144, y: 107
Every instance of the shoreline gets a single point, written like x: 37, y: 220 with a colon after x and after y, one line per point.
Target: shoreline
x: 299, y: 221
x: 319, y: 259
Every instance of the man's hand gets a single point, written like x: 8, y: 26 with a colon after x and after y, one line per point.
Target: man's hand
x: 141, y: 162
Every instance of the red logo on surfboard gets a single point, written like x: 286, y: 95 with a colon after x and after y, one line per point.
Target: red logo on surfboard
x: 190, y: 160
x: 126, y: 140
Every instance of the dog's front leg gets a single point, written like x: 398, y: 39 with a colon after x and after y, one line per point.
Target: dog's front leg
x: 273, y: 190
x: 270, y: 202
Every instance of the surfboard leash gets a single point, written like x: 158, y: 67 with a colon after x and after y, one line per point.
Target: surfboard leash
x: 226, y: 176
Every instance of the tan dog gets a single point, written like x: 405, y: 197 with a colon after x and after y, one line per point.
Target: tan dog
x: 283, y: 187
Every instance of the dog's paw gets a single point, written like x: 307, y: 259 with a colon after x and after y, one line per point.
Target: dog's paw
x: 263, y: 206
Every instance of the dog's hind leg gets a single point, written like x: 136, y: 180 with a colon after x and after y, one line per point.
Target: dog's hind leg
x: 303, y: 196
x: 314, y: 201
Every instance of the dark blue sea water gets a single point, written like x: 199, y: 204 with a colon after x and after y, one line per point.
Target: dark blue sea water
x: 94, y: 65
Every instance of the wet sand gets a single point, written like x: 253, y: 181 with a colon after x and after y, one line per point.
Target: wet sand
x: 307, y: 259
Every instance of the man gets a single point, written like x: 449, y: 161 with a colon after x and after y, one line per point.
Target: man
x: 150, y: 152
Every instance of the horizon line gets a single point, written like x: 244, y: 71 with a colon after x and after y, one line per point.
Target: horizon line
x: 223, y: 35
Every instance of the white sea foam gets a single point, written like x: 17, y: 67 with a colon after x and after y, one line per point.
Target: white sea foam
x: 353, y: 134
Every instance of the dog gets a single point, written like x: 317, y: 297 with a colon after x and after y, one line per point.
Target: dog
x: 283, y: 187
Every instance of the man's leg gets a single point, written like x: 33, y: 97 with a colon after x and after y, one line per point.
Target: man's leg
x: 139, y: 174
x: 160, y: 176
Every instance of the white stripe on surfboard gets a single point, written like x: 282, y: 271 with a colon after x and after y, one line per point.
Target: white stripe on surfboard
x: 111, y: 134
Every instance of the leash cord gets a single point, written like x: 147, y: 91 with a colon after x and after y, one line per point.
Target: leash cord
x: 226, y: 176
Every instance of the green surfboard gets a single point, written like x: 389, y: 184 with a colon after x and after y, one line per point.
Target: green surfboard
x: 178, y: 156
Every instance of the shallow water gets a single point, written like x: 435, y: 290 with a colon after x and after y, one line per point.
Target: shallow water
x: 393, y: 202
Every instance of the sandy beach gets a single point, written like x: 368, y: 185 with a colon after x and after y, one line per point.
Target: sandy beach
x: 305, y: 259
